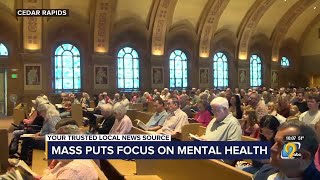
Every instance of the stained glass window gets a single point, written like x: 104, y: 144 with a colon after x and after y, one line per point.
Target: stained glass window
x: 178, y: 70
x: 285, y: 62
x: 128, y: 69
x: 220, y: 70
x: 255, y: 71
x: 67, y: 68
x: 3, y: 50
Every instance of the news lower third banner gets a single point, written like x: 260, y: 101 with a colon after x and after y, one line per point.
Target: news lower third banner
x: 150, y: 147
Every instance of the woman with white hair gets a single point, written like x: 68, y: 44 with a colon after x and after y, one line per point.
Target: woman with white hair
x: 34, y: 119
x: 51, y: 118
x: 70, y: 168
x: 122, y: 124
x: 106, y: 122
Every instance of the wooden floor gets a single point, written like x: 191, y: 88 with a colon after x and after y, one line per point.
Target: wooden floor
x: 5, y: 123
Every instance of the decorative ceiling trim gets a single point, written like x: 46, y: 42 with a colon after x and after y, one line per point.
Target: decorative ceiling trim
x: 249, y: 24
x: 308, y: 29
x: 152, y: 14
x: 209, y: 25
x: 285, y: 23
x: 162, y: 20
x: 102, y: 25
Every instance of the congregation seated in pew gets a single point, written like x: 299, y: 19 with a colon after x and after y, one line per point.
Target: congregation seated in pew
x: 122, y: 123
x: 159, y: 117
x: 175, y: 120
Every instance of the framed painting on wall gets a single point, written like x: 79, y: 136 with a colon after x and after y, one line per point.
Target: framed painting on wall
x: 157, y: 77
x: 32, y: 77
x: 204, y: 76
x: 101, y: 80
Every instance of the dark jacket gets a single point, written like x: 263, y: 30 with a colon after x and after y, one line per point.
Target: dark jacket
x: 106, y: 125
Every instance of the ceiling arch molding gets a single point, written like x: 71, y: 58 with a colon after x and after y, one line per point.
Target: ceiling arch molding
x: 249, y: 24
x: 162, y: 20
x: 308, y: 29
x: 284, y: 24
x: 208, y: 25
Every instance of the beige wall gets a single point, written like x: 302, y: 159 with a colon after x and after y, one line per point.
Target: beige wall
x: 311, y: 43
x: 129, y: 32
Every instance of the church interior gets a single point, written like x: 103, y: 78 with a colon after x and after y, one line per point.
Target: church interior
x: 151, y: 48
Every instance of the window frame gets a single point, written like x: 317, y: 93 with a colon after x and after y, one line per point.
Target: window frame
x: 227, y: 69
x: 287, y: 65
x: 117, y: 69
x: 182, y: 52
x: 251, y: 71
x: 54, y: 68
x: 6, y: 47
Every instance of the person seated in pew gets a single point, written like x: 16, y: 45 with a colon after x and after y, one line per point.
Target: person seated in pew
x: 85, y: 100
x: 294, y: 113
x: 272, y: 110
x: 175, y: 120
x: 268, y: 129
x: 34, y: 119
x: 101, y: 101
x: 312, y: 116
x: 122, y: 123
x: 224, y: 127
x: 203, y: 116
x: 106, y: 121
x: 158, y: 118
x: 184, y: 105
x: 70, y: 168
x: 125, y: 101
x: 51, y: 118
x: 250, y: 125
x: 299, y: 168
x: 317, y: 156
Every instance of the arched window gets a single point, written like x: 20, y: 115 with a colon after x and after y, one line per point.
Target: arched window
x: 220, y: 70
x: 255, y: 71
x: 67, y: 68
x: 285, y: 63
x: 178, y: 69
x: 3, y: 50
x: 128, y: 69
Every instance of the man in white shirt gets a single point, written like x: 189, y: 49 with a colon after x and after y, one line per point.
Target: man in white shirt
x: 312, y: 116
x: 175, y: 120
x: 224, y: 127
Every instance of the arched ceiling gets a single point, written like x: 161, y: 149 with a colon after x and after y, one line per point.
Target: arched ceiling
x: 189, y: 10
x: 197, y: 12
x: 137, y: 8
x: 272, y: 16
x: 298, y: 27
x: 232, y: 16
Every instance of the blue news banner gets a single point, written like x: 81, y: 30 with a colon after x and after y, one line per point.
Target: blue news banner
x: 158, y: 150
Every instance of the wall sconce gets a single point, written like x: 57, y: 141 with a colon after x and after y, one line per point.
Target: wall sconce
x: 32, y: 47
x: 101, y: 50
x: 275, y: 59
x: 157, y: 52
x: 243, y: 56
x: 204, y: 55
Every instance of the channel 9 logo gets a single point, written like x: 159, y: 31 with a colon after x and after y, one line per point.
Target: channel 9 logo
x: 290, y: 150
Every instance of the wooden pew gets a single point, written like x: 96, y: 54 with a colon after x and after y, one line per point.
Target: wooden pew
x: 76, y: 113
x: 143, y: 116
x: 142, y: 177
x: 39, y: 163
x: 101, y: 175
x: 4, y: 155
x: 248, y: 138
x: 151, y: 107
x: 190, y: 169
x: 192, y: 128
x: 19, y: 113
x: 138, y: 107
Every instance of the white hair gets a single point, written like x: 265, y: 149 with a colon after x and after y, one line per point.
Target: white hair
x: 220, y: 101
x: 106, y: 108
x: 50, y: 109
x: 120, y: 109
